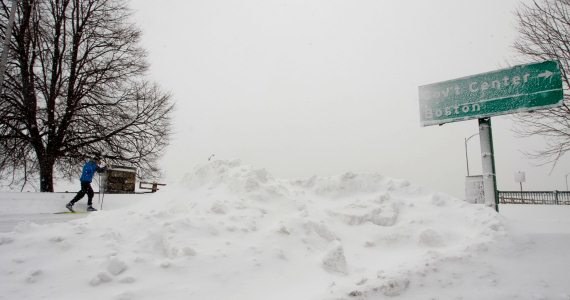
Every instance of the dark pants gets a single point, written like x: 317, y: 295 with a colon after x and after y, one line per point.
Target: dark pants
x: 85, y: 189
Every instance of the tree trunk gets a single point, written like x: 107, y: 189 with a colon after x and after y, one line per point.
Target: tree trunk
x: 46, y: 174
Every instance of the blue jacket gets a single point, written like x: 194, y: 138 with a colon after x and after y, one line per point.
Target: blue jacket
x: 89, y: 170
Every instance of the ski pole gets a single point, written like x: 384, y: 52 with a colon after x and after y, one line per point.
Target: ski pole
x: 102, y: 198
x: 99, y: 196
x: 102, y: 188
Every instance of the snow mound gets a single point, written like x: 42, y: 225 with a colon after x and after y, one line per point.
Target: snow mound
x: 350, y: 184
x: 235, y: 177
x: 238, y: 231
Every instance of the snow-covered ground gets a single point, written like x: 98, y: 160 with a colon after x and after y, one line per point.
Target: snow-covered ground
x: 230, y: 231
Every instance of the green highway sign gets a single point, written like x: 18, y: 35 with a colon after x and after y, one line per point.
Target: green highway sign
x: 521, y: 88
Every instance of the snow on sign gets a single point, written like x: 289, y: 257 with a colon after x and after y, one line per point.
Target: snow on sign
x: 521, y: 88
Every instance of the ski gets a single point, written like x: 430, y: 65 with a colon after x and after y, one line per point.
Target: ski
x: 70, y: 212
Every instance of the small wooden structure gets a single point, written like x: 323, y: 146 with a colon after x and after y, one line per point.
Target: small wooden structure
x: 119, y: 180
x: 152, y: 186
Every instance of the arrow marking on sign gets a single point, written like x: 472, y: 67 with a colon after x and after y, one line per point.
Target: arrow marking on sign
x: 546, y: 74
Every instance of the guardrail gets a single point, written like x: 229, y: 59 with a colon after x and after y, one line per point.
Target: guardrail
x: 535, y: 197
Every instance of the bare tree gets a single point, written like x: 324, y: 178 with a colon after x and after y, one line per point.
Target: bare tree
x: 544, y: 29
x: 74, y: 86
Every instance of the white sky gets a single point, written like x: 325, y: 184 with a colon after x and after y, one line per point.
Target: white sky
x: 322, y: 87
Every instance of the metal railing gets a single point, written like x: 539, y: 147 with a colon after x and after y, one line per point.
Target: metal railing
x: 535, y: 197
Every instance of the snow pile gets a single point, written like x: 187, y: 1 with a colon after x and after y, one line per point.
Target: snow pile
x: 235, y: 232
x: 234, y: 177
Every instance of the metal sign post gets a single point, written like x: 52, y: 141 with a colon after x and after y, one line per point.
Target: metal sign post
x: 520, y: 177
x: 488, y: 160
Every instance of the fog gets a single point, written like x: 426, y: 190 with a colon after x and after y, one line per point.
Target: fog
x: 305, y: 88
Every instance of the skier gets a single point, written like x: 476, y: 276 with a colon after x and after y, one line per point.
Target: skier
x: 89, y: 170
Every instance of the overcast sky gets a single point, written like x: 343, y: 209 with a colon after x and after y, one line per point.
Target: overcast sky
x: 322, y: 87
